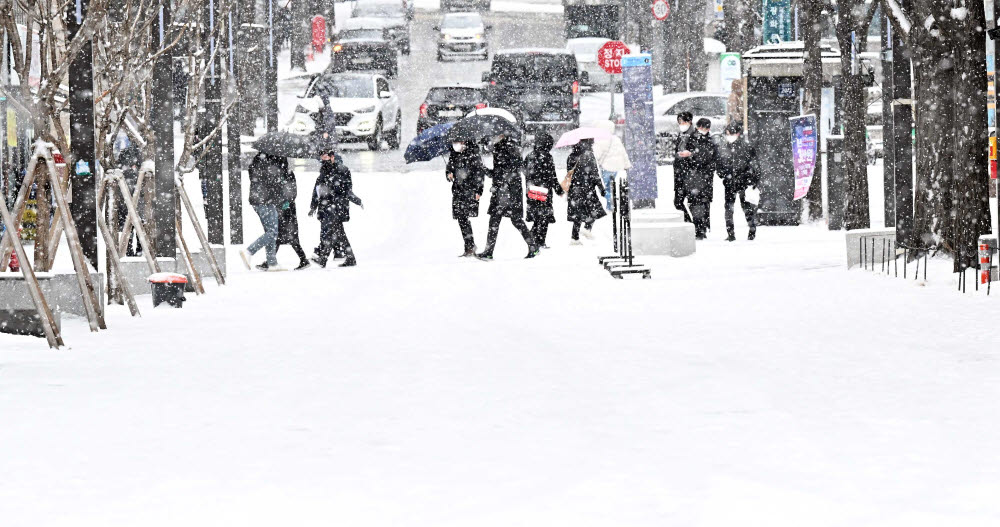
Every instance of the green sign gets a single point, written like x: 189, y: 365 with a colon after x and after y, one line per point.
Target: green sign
x: 777, y: 21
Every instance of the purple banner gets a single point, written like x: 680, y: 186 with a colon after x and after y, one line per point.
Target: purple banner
x: 803, y: 152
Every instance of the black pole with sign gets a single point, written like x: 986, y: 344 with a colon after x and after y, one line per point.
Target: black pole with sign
x: 83, y: 206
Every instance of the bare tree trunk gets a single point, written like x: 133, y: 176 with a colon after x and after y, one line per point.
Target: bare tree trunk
x: 812, y: 27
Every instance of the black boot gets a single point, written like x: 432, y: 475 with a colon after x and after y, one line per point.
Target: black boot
x: 752, y: 235
x: 349, y: 262
x: 318, y: 261
x: 731, y: 237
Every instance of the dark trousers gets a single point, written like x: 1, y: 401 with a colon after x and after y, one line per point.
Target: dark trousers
x: 297, y: 247
x: 466, y: 227
x: 699, y: 215
x: 679, y: 195
x: 749, y: 210
x: 539, y: 231
x: 576, y: 228
x: 331, y: 234
x: 518, y: 223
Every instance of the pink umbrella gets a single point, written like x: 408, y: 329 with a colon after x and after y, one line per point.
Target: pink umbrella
x: 573, y: 137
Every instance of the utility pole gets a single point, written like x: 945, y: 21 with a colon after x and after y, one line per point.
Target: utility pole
x: 233, y: 133
x: 272, y: 72
x: 164, y: 231
x: 813, y: 84
x: 83, y: 208
x: 888, y: 154
x: 902, y: 135
x: 211, y: 169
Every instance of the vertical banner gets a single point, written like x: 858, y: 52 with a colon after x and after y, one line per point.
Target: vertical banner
x: 640, y: 134
x: 803, y: 152
x: 777, y: 21
x: 729, y: 70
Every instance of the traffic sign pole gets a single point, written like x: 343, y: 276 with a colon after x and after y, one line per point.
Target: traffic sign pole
x: 609, y: 58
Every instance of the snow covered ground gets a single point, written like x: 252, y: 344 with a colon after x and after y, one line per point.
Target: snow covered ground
x: 750, y: 384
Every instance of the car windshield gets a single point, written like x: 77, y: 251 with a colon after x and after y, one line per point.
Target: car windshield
x: 461, y: 22
x: 343, y: 88
x: 379, y: 10
x: 455, y: 95
x: 534, y: 68
x: 361, y: 34
x: 586, y: 47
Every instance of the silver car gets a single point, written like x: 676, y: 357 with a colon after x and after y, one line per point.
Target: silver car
x: 462, y: 35
x: 585, y: 50
x: 700, y: 104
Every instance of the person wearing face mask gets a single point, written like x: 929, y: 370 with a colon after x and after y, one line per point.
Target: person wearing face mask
x: 506, y: 193
x: 700, y: 176
x: 682, y: 162
x: 466, y: 172
x: 583, y: 205
x: 540, y: 175
x: 737, y: 168
x: 331, y: 201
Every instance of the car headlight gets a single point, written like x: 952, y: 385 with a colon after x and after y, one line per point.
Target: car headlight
x: 479, y: 36
x: 367, y: 109
x: 446, y: 36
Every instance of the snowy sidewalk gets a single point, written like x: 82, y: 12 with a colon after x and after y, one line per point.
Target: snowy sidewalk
x: 750, y: 384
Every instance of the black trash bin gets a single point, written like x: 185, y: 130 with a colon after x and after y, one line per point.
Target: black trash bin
x: 169, y: 288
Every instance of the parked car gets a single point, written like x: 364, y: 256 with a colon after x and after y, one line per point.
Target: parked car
x: 585, y: 51
x: 449, y: 103
x: 462, y: 35
x: 364, y: 107
x: 541, y: 86
x: 396, y: 19
x: 363, y: 44
x: 701, y: 104
x: 465, y: 5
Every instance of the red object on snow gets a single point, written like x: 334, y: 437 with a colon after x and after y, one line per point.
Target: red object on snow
x: 167, y: 278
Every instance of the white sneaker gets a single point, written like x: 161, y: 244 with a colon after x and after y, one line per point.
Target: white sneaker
x: 245, y: 256
x: 575, y: 242
x: 588, y: 234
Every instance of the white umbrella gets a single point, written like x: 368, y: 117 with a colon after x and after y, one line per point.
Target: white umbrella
x: 610, y: 152
x: 499, y: 112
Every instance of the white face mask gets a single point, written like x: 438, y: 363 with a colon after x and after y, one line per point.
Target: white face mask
x: 458, y: 147
x: 703, y: 132
x: 684, y: 127
x: 732, y: 138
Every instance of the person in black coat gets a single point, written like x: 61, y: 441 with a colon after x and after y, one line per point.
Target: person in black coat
x: 466, y: 172
x: 331, y: 200
x: 682, y: 161
x: 288, y: 220
x: 505, y: 196
x: 584, y: 206
x: 737, y: 166
x: 266, y: 174
x: 701, y: 176
x: 540, y: 175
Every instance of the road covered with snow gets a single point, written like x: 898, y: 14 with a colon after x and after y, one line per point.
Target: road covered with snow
x: 754, y: 383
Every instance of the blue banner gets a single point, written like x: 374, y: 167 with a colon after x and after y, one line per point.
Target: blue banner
x: 803, y: 152
x: 640, y: 132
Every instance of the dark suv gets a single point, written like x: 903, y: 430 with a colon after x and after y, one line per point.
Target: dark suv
x: 449, y: 103
x: 540, y: 87
x: 395, y: 16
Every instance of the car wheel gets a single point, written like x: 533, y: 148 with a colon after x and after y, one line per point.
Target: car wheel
x: 397, y: 134
x: 375, y: 140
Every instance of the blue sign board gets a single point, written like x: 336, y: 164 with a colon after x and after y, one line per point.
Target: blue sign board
x: 640, y: 133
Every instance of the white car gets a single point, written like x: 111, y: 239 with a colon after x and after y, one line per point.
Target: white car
x: 462, y: 35
x: 354, y: 106
x: 585, y: 50
x: 700, y: 104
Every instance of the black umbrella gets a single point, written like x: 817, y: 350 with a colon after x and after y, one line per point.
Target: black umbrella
x: 287, y: 144
x: 476, y: 127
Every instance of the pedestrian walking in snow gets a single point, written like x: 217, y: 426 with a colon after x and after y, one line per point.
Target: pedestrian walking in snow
x: 466, y: 173
x: 505, y: 196
x: 701, y: 176
x: 288, y: 220
x: 737, y: 167
x: 331, y: 201
x: 611, y: 158
x: 682, y: 162
x: 540, y: 175
x: 266, y: 174
x: 582, y: 178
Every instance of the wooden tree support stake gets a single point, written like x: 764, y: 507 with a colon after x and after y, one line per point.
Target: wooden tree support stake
x: 205, y: 246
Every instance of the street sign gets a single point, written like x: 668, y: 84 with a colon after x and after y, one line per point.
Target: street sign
x: 609, y: 56
x: 661, y: 9
x: 640, y: 130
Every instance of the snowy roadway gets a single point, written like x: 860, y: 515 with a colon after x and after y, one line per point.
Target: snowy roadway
x: 750, y: 384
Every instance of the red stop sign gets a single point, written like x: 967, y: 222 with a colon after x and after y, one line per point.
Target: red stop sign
x: 609, y: 57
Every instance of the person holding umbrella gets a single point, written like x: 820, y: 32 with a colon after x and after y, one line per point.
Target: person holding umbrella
x: 582, y: 178
x: 331, y: 201
x: 540, y: 175
x: 612, y: 158
x: 505, y: 196
x: 466, y: 172
x: 266, y: 173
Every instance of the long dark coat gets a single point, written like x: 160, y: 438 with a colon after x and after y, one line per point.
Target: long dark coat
x: 507, y: 188
x: 288, y: 219
x: 682, y: 165
x: 332, y: 193
x: 698, y: 182
x: 266, y: 173
x: 468, y: 172
x: 540, y: 171
x: 584, y: 205
x: 736, y: 164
